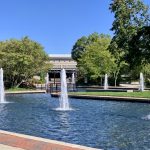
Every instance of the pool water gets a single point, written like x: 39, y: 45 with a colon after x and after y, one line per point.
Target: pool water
x: 101, y: 124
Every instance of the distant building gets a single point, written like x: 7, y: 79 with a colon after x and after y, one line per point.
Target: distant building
x: 58, y: 62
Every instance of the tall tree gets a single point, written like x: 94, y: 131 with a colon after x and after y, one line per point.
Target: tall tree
x: 21, y: 59
x: 130, y: 17
x: 139, y: 48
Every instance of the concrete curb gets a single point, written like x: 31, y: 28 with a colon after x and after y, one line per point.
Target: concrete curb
x: 4, y: 147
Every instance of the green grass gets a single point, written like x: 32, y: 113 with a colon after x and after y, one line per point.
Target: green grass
x: 18, y: 89
x: 145, y: 94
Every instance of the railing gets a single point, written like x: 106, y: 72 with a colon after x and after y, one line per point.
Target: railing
x: 56, y: 88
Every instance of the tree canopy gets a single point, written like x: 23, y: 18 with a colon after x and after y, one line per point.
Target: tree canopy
x: 80, y: 46
x: 130, y: 44
x: 96, y: 59
x: 139, y: 47
x: 21, y: 59
x: 130, y: 17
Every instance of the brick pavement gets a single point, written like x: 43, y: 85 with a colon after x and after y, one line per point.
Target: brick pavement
x: 34, y: 143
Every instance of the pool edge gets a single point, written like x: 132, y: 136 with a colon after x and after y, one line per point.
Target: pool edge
x: 106, y: 98
x: 30, y: 139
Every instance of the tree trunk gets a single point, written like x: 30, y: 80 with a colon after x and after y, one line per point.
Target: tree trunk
x: 18, y: 84
x: 101, y: 81
x: 116, y: 77
x: 115, y: 82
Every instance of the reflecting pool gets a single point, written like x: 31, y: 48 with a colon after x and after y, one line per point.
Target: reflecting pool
x: 101, y: 124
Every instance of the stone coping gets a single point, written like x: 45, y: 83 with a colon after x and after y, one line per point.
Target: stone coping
x: 26, y: 142
x: 5, y: 147
x: 25, y: 92
x: 107, y: 98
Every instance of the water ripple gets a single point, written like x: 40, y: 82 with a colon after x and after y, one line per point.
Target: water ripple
x: 101, y: 124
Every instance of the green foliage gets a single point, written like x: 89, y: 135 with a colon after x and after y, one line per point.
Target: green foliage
x: 130, y: 16
x: 145, y: 69
x: 42, y: 77
x: 15, y: 89
x: 146, y: 72
x: 130, y: 44
x: 21, y: 59
x: 96, y: 59
x: 139, y: 48
x: 80, y: 46
x: 119, y: 64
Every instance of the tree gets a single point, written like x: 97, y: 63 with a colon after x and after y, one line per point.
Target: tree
x: 118, y: 65
x: 146, y: 71
x: 21, y: 59
x: 130, y: 17
x: 96, y: 59
x: 120, y: 62
x: 80, y: 46
x: 139, y: 48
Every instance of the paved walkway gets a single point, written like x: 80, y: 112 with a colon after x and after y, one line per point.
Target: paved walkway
x: 14, y: 141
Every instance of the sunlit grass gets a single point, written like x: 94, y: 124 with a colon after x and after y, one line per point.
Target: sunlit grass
x: 145, y: 94
x: 19, y: 89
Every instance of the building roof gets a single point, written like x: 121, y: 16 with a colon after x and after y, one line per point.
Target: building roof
x: 60, y: 61
x: 59, y: 55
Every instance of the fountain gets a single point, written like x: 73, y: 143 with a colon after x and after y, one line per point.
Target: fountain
x: 2, y: 99
x: 106, y: 82
x: 47, y: 81
x: 73, y: 78
x: 141, y: 88
x: 73, y: 81
x: 146, y: 117
x: 64, y: 103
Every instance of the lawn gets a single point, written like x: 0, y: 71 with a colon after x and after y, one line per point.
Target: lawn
x: 145, y: 94
x: 18, y: 89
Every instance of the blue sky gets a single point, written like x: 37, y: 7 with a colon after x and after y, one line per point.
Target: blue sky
x: 55, y: 24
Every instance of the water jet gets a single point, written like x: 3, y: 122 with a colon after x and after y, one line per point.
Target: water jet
x: 106, y: 82
x: 141, y: 88
x: 63, y: 100
x: 2, y: 97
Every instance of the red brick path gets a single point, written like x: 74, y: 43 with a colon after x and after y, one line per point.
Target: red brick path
x: 29, y: 144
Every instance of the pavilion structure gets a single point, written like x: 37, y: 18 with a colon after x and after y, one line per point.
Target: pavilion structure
x: 60, y: 61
